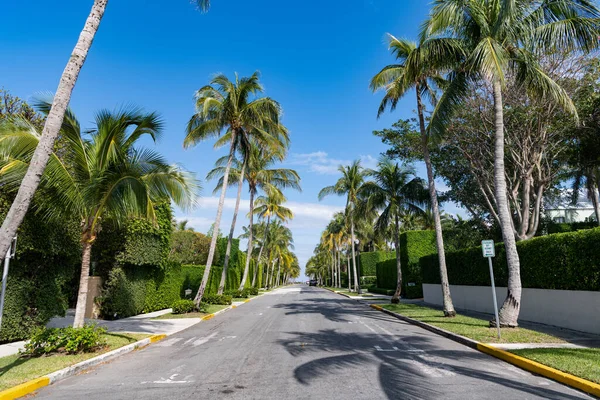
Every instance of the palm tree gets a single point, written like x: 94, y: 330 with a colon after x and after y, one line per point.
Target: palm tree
x: 416, y: 71
x: 101, y: 175
x: 270, y: 206
x: 348, y: 185
x: 496, y: 39
x: 237, y: 108
x: 54, y: 120
x: 261, y: 175
x: 394, y: 191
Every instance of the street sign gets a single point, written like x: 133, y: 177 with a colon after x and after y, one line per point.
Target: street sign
x: 488, y: 248
x: 489, y: 251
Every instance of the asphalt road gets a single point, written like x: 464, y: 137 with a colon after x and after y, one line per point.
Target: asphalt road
x: 306, y: 343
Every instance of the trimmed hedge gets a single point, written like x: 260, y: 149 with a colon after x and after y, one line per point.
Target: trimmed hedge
x: 367, y: 262
x: 388, y: 292
x: 134, y: 290
x: 413, y: 246
x: 554, y: 227
x: 563, y: 261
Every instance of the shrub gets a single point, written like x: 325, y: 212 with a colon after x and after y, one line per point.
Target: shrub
x: 565, y: 261
x: 388, y: 292
x: 368, y: 261
x: 65, y: 340
x: 222, y: 299
x: 188, y: 247
x: 183, y: 306
x: 252, y: 291
x: 368, y: 281
x: 237, y: 294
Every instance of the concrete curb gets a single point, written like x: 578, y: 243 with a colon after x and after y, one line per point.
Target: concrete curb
x: 35, y: 384
x: 541, y: 369
x: 521, y: 362
x: 38, y: 383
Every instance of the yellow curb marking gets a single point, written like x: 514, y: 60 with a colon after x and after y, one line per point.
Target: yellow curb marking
x: 232, y: 307
x: 156, y: 338
x: 246, y: 301
x: 375, y: 306
x: 24, y: 388
x: 540, y: 369
x: 209, y: 316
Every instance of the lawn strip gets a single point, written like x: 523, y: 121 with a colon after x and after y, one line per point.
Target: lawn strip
x: 584, y: 363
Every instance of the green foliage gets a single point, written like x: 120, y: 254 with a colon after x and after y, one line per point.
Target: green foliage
x: 368, y: 281
x: 572, y: 227
x: 387, y: 292
x: 183, y: 306
x: 189, y: 247
x: 40, y: 281
x: 222, y: 248
x: 237, y: 294
x: 565, y: 261
x: 368, y: 261
x: 252, y: 291
x: 413, y: 246
x: 68, y: 340
x: 223, y: 299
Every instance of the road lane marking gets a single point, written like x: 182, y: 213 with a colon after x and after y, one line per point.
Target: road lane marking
x: 203, y: 340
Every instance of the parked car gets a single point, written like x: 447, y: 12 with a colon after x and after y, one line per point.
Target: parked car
x: 312, y: 282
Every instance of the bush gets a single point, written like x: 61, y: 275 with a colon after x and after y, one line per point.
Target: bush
x: 252, y: 291
x: 237, y: 294
x: 188, y: 247
x: 183, y: 306
x: 368, y: 261
x: 368, y: 281
x: 564, y: 261
x: 222, y: 299
x: 554, y: 227
x: 65, y: 340
x: 387, y: 292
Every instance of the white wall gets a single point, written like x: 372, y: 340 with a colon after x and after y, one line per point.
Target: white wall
x: 578, y: 310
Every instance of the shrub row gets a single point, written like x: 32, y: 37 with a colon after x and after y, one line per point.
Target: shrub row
x: 413, y: 246
x: 219, y: 299
x: 567, y: 261
x: 367, y: 261
x: 388, y: 292
x: 183, y: 306
x: 68, y: 340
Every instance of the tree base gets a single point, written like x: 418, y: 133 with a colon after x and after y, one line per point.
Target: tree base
x: 395, y: 300
x: 449, y: 314
x: 493, y: 325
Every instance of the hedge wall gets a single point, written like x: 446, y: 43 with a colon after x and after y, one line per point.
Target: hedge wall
x: 134, y: 290
x: 554, y: 227
x: 367, y: 261
x: 567, y: 261
x: 413, y: 246
x: 41, y: 278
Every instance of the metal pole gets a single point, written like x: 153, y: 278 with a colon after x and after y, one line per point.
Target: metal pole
x: 4, y: 278
x: 494, y: 296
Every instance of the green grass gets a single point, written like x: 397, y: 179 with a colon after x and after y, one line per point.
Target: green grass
x: 210, y: 309
x: 473, y: 328
x: 584, y: 363
x: 15, y: 370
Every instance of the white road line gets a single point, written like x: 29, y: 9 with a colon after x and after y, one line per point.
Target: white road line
x: 201, y: 341
x: 188, y: 341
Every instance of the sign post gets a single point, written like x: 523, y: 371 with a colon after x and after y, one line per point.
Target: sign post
x: 489, y: 251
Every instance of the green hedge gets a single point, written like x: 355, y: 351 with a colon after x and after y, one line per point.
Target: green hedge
x: 367, y: 263
x: 567, y: 261
x: 134, y: 290
x: 554, y: 227
x: 413, y: 246
x: 42, y: 277
x: 388, y: 292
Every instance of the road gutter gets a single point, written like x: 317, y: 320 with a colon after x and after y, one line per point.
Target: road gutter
x: 529, y: 365
x: 49, y: 379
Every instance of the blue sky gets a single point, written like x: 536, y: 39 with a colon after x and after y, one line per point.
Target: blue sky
x: 315, y: 59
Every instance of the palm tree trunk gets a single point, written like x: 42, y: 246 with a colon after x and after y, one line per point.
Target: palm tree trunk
x: 356, y: 277
x: 213, y: 241
x: 595, y: 199
x: 249, y: 251
x: 396, y: 297
x: 262, y: 246
x: 278, y: 273
x: 439, y: 239
x: 339, y: 269
x: 509, y: 313
x: 349, y: 275
x: 54, y: 121
x: 79, y: 321
x: 235, y: 213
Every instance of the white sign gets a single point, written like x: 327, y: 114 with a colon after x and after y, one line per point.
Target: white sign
x: 488, y: 249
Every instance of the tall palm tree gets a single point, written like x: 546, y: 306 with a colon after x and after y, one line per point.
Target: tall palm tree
x: 54, y: 120
x: 237, y: 108
x: 394, y: 191
x: 416, y: 71
x: 261, y: 175
x: 268, y: 207
x: 102, y: 173
x: 279, y: 242
x: 348, y: 185
x: 498, y: 38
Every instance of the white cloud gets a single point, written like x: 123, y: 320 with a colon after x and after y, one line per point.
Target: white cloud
x: 320, y: 162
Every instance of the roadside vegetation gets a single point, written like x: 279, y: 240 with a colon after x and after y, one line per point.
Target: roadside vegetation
x: 584, y: 363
